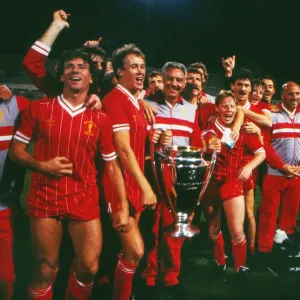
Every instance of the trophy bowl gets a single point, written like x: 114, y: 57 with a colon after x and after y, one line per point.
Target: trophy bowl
x: 182, y: 175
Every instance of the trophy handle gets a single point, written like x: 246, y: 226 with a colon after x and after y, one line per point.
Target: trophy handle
x: 162, y: 195
x: 153, y: 164
x: 211, y: 164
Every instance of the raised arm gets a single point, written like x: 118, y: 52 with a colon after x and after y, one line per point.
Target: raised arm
x: 228, y: 65
x: 35, y: 59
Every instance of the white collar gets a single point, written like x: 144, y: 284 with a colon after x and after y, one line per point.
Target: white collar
x: 291, y: 115
x: 71, y: 110
x: 247, y: 105
x: 220, y: 126
x: 130, y: 96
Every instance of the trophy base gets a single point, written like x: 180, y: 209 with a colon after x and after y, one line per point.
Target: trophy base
x: 182, y: 230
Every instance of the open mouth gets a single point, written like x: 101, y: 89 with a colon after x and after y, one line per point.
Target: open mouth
x: 140, y: 79
x: 75, y: 79
x: 228, y: 117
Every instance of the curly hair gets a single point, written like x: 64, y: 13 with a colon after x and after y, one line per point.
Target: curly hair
x: 68, y: 55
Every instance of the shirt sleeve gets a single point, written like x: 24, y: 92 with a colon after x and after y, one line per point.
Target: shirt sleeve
x: 106, y: 146
x: 22, y: 103
x: 34, y: 63
x: 196, y: 140
x: 203, y: 113
x: 271, y: 156
x: 25, y: 131
x: 116, y: 110
x: 253, y: 143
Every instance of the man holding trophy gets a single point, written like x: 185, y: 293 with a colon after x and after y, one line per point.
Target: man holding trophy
x: 226, y: 186
x: 176, y: 120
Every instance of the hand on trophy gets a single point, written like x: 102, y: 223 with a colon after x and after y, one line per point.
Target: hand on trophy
x: 214, y: 144
x: 154, y: 135
x: 165, y: 137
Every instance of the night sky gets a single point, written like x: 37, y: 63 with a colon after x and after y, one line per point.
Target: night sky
x: 263, y: 34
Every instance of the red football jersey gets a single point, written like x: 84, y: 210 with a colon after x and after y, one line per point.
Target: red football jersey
x: 203, y: 114
x: 255, y: 109
x: 126, y: 114
x: 77, y: 133
x: 229, y: 160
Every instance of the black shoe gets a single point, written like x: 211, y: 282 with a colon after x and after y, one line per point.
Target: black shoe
x: 242, y: 276
x: 262, y: 262
x: 102, y: 292
x: 219, y: 272
x: 177, y: 291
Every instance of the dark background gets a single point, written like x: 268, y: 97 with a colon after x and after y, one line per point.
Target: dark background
x: 263, y: 34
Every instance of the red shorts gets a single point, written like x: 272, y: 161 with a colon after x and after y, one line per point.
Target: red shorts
x: 112, y: 200
x: 223, y: 190
x: 83, y: 211
x: 6, y: 248
x: 249, y: 184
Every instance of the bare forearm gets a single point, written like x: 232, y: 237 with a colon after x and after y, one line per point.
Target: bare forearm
x: 49, y: 37
x: 114, y: 174
x: 257, y: 160
x: 261, y: 120
x: 239, y: 119
x: 130, y: 164
x: 24, y: 159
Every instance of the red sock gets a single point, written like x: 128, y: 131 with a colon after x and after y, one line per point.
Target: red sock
x: 77, y: 290
x: 219, y: 249
x: 123, y: 280
x: 239, y: 253
x: 40, y: 294
x: 7, y: 290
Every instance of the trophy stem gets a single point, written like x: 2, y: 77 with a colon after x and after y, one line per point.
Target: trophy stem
x: 182, y: 227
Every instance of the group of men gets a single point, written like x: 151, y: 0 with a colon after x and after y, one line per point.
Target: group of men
x: 82, y: 151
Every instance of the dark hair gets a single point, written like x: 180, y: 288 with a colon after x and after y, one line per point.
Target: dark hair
x: 107, y: 84
x: 242, y: 74
x: 99, y: 52
x: 174, y: 65
x: 119, y: 55
x: 193, y: 70
x: 73, y: 54
x: 257, y: 82
x: 154, y: 74
x: 269, y: 77
x: 225, y: 94
x: 200, y: 65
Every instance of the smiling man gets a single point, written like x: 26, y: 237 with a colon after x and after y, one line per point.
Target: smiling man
x: 67, y: 137
x: 281, y: 184
x: 130, y: 131
x: 178, y: 117
x: 226, y: 185
x: 256, y: 121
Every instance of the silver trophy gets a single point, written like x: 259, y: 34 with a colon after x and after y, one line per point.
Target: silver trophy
x: 182, y: 175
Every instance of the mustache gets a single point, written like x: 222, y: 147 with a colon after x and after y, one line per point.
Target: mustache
x: 191, y: 86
